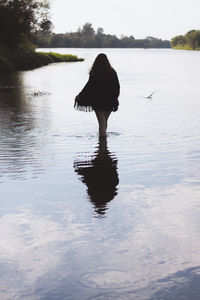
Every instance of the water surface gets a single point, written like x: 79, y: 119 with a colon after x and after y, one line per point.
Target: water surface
x: 83, y: 218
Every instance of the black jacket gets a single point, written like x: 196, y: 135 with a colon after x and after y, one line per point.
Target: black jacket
x: 99, y: 94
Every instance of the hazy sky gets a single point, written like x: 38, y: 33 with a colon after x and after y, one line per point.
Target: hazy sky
x: 140, y: 18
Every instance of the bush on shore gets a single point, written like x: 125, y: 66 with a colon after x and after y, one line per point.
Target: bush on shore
x: 27, y: 59
x: 189, y: 41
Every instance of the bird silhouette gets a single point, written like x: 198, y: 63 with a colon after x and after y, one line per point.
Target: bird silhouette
x: 150, y: 96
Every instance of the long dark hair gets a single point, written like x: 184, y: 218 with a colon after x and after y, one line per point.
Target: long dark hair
x: 101, y: 67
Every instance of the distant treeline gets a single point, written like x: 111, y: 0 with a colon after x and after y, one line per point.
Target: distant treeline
x: 87, y: 37
x: 189, y: 41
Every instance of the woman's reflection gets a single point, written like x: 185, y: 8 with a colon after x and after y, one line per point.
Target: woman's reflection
x: 100, y: 176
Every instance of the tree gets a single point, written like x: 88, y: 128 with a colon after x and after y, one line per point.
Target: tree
x: 178, y: 41
x: 87, y: 30
x: 197, y: 39
x: 190, y: 39
x: 87, y: 37
x: 19, y: 19
x: 100, y: 31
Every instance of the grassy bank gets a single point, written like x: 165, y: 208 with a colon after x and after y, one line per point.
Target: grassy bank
x: 20, y: 59
x: 184, y: 47
x: 33, y: 60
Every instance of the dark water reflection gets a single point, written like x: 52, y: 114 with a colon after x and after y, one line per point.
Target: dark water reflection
x: 22, y: 115
x: 12, y: 100
x: 99, y: 174
x: 16, y: 122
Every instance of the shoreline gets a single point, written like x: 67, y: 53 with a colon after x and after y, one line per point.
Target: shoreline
x: 29, y: 60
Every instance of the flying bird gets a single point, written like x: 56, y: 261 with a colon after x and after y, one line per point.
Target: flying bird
x: 150, y: 96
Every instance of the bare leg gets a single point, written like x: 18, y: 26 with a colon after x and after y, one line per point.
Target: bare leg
x: 102, y: 122
x: 107, y: 114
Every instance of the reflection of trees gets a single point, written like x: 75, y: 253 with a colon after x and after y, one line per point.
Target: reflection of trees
x: 100, y: 176
x: 13, y: 105
x: 16, y: 124
x: 15, y: 111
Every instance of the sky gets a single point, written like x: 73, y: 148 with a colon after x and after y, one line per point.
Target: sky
x: 141, y: 18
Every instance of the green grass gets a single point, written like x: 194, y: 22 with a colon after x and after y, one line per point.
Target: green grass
x: 23, y: 59
x: 184, y: 47
x: 63, y: 57
x: 31, y: 60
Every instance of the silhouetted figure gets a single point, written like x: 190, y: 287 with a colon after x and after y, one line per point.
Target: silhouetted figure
x: 100, y: 93
x: 100, y: 176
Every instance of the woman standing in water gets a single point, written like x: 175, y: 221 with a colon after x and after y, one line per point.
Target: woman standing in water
x: 100, y: 93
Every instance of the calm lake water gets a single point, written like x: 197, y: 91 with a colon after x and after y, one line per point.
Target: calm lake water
x: 113, y: 219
